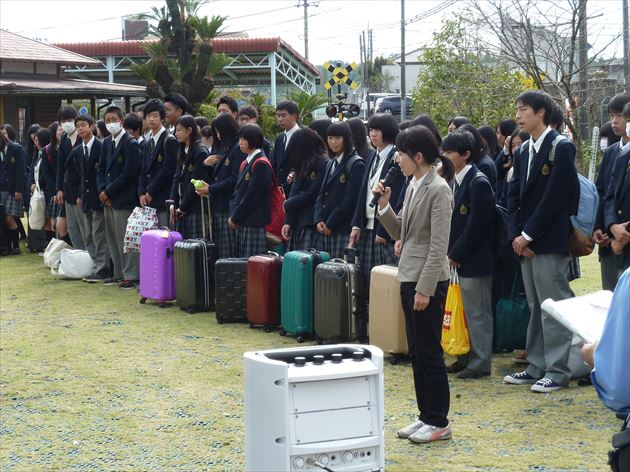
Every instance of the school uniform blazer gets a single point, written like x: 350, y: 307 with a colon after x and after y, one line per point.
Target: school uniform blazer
x: 300, y: 206
x: 68, y: 174
x: 617, y: 203
x: 48, y: 171
x: 89, y: 168
x: 470, y: 241
x: 280, y: 162
x: 118, y: 171
x: 541, y: 205
x: 189, y: 201
x: 266, y: 148
x: 337, y: 199
x: 157, y: 169
x: 250, y: 205
x: 360, y: 216
x: 486, y: 165
x: 13, y: 169
x: 224, y: 176
x: 423, y: 227
x: 601, y: 183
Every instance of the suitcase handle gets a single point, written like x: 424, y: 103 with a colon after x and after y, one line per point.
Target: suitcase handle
x: 203, y: 217
x: 351, y: 252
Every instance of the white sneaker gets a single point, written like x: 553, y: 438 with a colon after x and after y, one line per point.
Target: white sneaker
x: 429, y: 433
x: 409, y: 430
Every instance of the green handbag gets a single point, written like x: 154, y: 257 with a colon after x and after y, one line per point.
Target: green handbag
x: 511, y: 319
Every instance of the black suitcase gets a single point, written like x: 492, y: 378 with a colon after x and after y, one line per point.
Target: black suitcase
x: 230, y: 277
x: 194, y: 271
x: 37, y: 240
x: 337, y: 289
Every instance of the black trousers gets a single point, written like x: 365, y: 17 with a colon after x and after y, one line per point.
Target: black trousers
x: 424, y: 333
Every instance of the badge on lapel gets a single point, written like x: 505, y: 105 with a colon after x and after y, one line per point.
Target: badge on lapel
x: 121, y: 159
x: 463, y: 210
x: 248, y: 176
x: 313, y: 175
x: 342, y: 179
x: 12, y: 159
x: 191, y: 168
x: 545, y: 169
x: 96, y: 165
x: 227, y: 162
x: 160, y: 158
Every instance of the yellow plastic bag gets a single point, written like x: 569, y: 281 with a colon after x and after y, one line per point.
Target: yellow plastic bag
x: 455, y: 339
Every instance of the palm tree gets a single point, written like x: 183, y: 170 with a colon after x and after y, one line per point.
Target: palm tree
x: 307, y: 104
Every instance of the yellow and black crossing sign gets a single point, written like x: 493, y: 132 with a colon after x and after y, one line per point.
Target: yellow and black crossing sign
x: 340, y: 75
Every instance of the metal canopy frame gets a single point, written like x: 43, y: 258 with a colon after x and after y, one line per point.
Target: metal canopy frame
x: 242, y: 70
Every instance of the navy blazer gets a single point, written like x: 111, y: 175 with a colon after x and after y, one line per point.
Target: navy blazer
x: 360, y: 216
x: 118, y: 171
x: 68, y: 174
x: 541, y: 206
x: 189, y: 201
x: 281, y: 163
x: 89, y: 168
x: 158, y: 168
x: 486, y: 165
x: 48, y: 171
x: 250, y: 205
x: 470, y: 241
x: 300, y: 206
x: 337, y: 199
x: 13, y: 169
x: 601, y: 183
x: 616, y: 208
x: 224, y: 176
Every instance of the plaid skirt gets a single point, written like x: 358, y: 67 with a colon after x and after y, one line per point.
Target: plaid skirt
x: 372, y: 254
x: 52, y: 209
x: 11, y: 206
x: 190, y: 226
x: 333, y: 244
x: 250, y: 241
x: 301, y: 239
x: 223, y: 236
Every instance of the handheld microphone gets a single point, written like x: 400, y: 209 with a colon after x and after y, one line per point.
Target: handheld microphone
x: 387, y: 182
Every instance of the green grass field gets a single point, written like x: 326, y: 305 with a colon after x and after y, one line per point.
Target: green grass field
x: 92, y: 380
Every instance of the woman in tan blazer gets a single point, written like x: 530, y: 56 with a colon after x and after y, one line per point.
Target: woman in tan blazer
x: 422, y: 230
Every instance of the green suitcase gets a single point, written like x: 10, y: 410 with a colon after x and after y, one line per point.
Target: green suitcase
x: 296, y: 292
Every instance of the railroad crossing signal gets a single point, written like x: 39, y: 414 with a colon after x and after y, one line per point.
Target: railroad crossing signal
x: 340, y: 75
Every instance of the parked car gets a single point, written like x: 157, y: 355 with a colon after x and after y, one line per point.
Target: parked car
x: 391, y: 104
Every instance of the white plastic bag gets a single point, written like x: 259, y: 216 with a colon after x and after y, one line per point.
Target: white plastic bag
x: 75, y: 264
x: 51, y: 253
x: 140, y: 220
x: 37, y: 210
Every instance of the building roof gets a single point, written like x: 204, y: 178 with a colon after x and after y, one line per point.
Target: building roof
x: 14, y: 47
x: 228, y: 45
x: 68, y: 87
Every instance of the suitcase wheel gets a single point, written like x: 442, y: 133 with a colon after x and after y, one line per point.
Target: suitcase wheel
x: 251, y: 326
x: 267, y: 329
x: 282, y: 332
x: 300, y: 339
x: 143, y: 301
x: 162, y: 305
x: 220, y: 320
x: 191, y: 310
x: 319, y: 340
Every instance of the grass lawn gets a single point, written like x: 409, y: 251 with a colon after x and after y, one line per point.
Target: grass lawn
x: 92, y: 380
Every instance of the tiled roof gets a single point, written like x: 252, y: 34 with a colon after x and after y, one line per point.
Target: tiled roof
x: 68, y: 87
x: 231, y: 45
x: 14, y: 47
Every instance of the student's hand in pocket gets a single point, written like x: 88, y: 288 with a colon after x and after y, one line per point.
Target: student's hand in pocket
x: 398, y: 247
x: 420, y: 301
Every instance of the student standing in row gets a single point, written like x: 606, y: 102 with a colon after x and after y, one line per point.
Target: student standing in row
x: 339, y: 193
x: 222, y: 171
x: 88, y: 154
x: 133, y: 124
x: 421, y: 228
x: 54, y: 211
x: 250, y: 205
x: 287, y: 116
x: 308, y: 159
x: 158, y: 162
x: 470, y: 252
x: 186, y: 209
x: 541, y: 198
x: 175, y: 106
x: 69, y: 177
x: 117, y: 180
x: 480, y: 157
x: 249, y: 115
x: 37, y: 179
x: 12, y: 181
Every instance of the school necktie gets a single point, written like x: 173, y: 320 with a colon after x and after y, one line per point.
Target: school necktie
x: 531, y: 162
x: 285, y: 141
x: 151, y: 145
x: 86, y: 154
x: 377, y: 161
x: 456, y: 188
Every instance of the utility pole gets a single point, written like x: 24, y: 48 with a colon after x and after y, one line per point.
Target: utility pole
x: 626, y: 44
x: 583, y: 74
x: 403, y: 84
x: 305, y: 4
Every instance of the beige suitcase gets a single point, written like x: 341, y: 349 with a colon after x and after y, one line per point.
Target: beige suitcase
x: 387, y: 319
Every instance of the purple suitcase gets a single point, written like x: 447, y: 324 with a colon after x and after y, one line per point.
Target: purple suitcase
x: 157, y: 268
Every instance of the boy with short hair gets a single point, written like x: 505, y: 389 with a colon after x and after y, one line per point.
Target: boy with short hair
x: 227, y: 104
x: 133, y: 125
x: 87, y: 156
x: 175, y: 106
x: 287, y: 116
x: 117, y: 181
x: 541, y: 198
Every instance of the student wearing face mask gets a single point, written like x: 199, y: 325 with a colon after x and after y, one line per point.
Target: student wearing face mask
x: 607, y: 259
x: 117, y: 182
x: 69, y: 177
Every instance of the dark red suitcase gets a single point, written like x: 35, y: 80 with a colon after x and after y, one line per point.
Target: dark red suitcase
x: 263, y: 290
